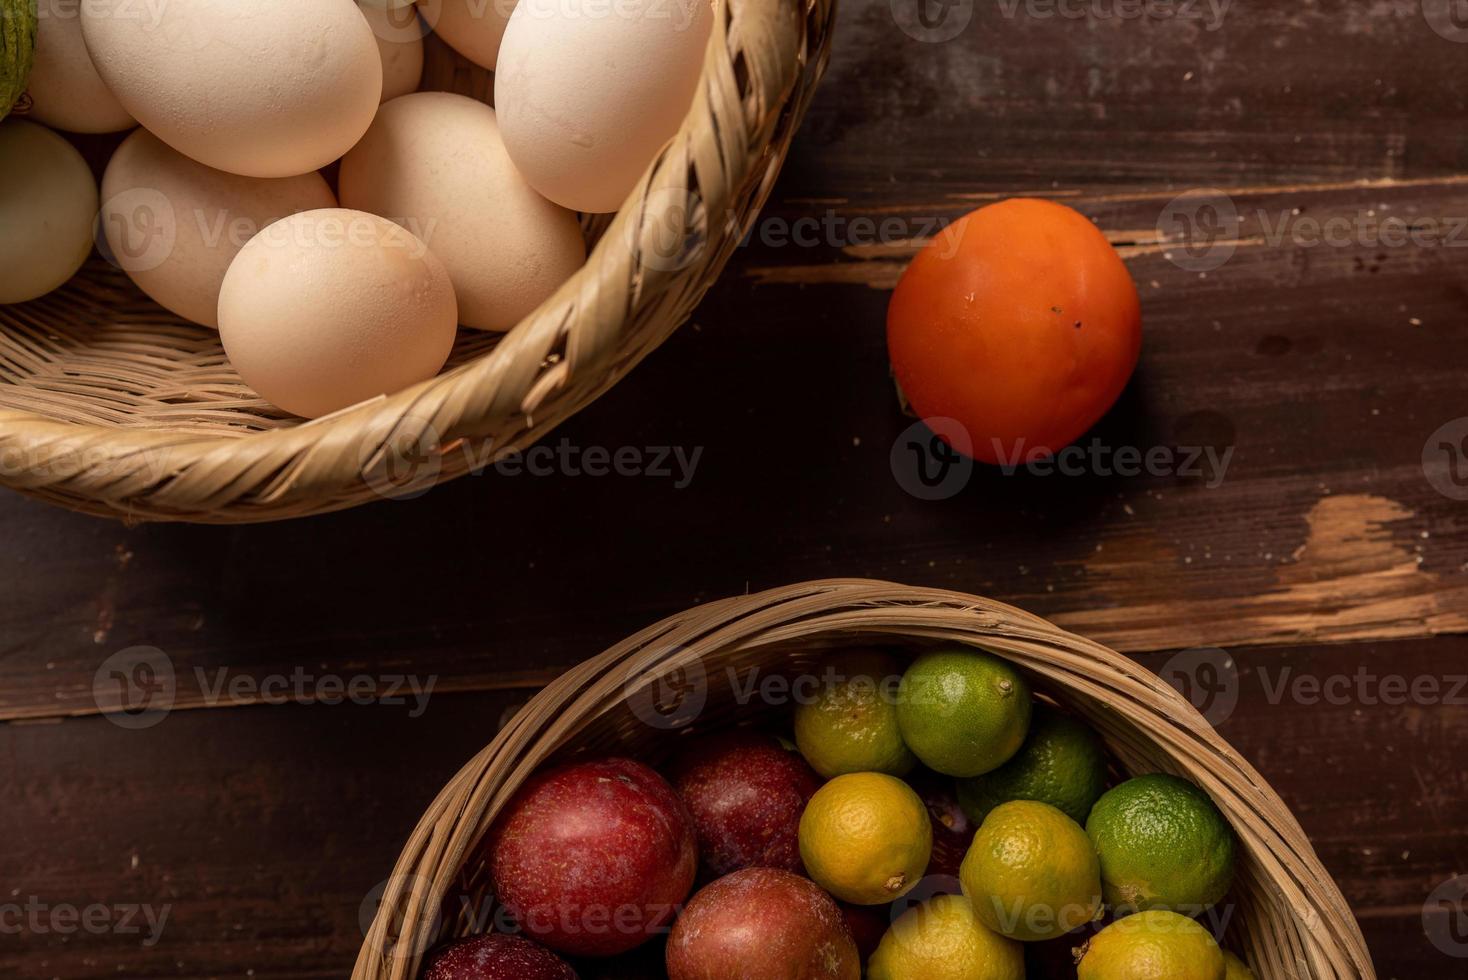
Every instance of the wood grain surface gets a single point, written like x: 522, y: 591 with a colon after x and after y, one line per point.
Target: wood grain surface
x: 1309, y: 354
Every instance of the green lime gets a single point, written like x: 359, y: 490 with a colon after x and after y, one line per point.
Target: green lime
x: 963, y: 712
x: 1061, y: 763
x: 1153, y: 945
x: 942, y: 939
x: 1031, y: 872
x: 1163, y: 845
x: 851, y: 724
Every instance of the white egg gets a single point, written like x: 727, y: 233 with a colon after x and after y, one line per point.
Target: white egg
x: 48, y: 201
x: 589, y: 91
x: 174, y: 225
x: 263, y: 88
x: 65, y: 89
x: 399, y: 35
x: 473, y: 28
x: 434, y: 162
x: 327, y: 308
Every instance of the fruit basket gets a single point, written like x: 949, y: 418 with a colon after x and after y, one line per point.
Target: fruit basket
x: 1289, y: 919
x: 110, y: 406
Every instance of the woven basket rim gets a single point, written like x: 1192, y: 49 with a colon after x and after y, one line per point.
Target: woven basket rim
x: 1310, y: 931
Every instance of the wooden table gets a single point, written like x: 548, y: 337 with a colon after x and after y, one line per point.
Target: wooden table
x: 1320, y: 351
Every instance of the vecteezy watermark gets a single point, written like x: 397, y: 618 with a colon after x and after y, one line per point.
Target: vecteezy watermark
x: 82, y: 456
x: 401, y: 460
x: 935, y: 21
x: 928, y: 887
x: 1447, y: 18
x: 335, y: 229
x: 1208, y: 678
x: 404, y: 460
x: 1211, y: 681
x: 932, y: 460
x: 1041, y: 917
x: 672, y: 699
x: 1209, y: 14
x: 1362, y: 687
x: 1203, y: 229
x: 301, y: 686
x: 136, y: 688
x: 40, y: 918
x: 667, y: 233
x: 833, y: 229
x: 138, y: 230
x: 1445, y: 459
x: 932, y: 21
x: 425, y: 928
x: 148, y: 12
x: 1445, y: 917
x: 1096, y: 458
x: 1202, y: 226
x: 675, y: 696
x: 564, y: 458
x: 683, y: 13
x: 397, y: 21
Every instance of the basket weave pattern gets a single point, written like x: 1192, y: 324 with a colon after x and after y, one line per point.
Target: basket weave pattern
x: 110, y: 405
x: 1289, y: 919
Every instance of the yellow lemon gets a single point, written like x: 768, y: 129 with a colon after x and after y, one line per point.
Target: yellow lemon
x: 1031, y: 872
x: 1153, y: 945
x: 1235, y: 968
x: 942, y: 939
x: 865, y: 838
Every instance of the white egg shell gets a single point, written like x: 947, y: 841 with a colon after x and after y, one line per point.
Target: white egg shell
x: 327, y: 308
x: 399, y: 35
x: 589, y: 91
x: 48, y: 201
x: 174, y: 225
x: 263, y: 88
x: 474, y: 28
x: 65, y: 89
x: 434, y: 162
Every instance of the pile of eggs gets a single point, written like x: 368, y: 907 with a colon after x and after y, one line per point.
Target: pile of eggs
x: 445, y: 211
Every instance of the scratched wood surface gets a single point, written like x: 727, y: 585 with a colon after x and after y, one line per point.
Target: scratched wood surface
x: 1289, y: 186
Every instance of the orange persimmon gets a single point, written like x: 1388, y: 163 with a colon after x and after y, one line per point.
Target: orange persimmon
x: 1021, y: 322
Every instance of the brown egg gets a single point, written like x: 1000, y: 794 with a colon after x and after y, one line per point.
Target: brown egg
x: 434, y: 162
x: 65, y: 89
x: 399, y: 34
x: 174, y: 225
x: 325, y: 309
x: 589, y: 91
x: 264, y: 88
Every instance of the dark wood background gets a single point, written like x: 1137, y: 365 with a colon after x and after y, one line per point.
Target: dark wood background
x: 1324, y: 549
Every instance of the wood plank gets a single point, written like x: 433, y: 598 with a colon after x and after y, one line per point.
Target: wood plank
x: 263, y: 829
x: 1303, y: 363
x: 1326, y: 369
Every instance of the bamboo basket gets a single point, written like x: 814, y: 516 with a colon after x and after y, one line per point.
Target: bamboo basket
x: 111, y: 406
x: 1289, y: 918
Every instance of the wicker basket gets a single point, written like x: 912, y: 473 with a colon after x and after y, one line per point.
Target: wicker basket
x: 1290, y: 920
x: 111, y: 406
